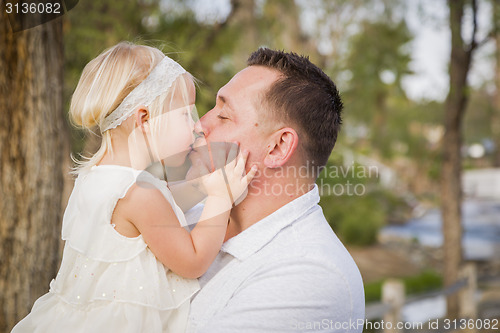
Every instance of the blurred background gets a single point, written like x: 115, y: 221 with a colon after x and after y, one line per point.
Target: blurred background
x: 412, y: 187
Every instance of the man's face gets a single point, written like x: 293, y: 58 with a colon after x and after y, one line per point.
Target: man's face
x: 237, y: 115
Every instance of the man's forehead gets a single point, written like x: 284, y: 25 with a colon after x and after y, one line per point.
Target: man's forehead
x: 249, y: 80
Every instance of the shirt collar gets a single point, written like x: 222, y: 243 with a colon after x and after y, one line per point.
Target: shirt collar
x: 262, y: 232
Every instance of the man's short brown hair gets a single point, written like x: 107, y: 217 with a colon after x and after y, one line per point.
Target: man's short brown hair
x: 305, y: 97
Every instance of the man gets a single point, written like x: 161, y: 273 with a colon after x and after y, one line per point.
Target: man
x: 281, y: 268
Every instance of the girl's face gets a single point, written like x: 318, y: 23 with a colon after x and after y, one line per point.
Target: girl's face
x: 174, y: 129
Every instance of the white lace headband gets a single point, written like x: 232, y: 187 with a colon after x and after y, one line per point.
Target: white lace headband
x: 158, y: 81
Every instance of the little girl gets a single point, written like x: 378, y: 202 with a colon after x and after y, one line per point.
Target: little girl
x: 129, y: 265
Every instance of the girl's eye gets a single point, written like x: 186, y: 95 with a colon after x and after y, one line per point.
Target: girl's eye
x: 221, y: 117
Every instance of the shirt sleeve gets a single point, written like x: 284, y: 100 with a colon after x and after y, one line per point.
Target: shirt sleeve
x: 290, y: 296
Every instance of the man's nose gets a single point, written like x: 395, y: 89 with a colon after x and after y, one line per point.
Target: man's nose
x: 204, y: 124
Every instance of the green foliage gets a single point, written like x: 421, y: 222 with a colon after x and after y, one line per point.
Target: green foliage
x: 378, y: 60
x: 201, y: 49
x: 373, y: 291
x: 426, y: 281
x: 355, y: 213
x: 395, y: 126
x: 355, y: 204
x: 358, y: 220
x: 93, y: 26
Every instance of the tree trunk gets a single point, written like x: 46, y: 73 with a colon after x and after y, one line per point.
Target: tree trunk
x: 451, y: 165
x: 34, y: 143
x: 495, y: 117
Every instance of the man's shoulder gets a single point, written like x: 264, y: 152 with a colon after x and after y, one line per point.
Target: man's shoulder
x: 302, y: 272
x: 308, y: 256
x: 309, y: 250
x: 310, y: 237
x: 310, y: 241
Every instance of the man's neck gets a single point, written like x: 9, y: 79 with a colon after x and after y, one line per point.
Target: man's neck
x: 262, y: 201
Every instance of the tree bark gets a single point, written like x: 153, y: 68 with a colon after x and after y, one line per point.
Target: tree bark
x: 495, y: 117
x: 451, y: 193
x: 34, y: 143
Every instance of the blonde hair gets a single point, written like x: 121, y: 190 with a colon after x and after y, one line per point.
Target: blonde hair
x: 105, y: 82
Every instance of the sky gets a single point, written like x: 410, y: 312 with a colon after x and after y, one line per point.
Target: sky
x: 430, y: 49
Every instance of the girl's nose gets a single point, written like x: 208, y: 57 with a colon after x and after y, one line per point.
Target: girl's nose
x: 199, y: 128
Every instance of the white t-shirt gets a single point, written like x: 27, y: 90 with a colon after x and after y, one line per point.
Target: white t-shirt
x: 286, y: 273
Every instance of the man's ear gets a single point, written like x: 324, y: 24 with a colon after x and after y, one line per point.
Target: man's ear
x: 142, y: 117
x: 281, y: 147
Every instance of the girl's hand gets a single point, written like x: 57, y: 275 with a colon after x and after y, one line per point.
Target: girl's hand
x: 236, y: 179
x: 229, y: 181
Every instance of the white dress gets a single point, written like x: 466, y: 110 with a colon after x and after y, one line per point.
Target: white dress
x: 108, y: 282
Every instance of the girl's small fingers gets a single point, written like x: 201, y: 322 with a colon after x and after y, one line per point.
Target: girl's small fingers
x: 250, y: 175
x: 233, y: 152
x: 242, y: 161
x: 237, y: 157
x: 243, y: 156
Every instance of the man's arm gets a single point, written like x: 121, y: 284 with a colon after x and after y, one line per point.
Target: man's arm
x: 290, y: 296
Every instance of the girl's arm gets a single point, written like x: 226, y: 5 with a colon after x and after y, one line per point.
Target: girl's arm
x: 186, y: 194
x: 187, y: 254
